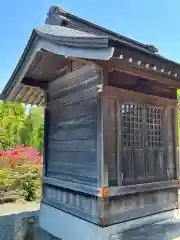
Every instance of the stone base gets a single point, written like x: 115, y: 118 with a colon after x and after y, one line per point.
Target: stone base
x: 67, y: 227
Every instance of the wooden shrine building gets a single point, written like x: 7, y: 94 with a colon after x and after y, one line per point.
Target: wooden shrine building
x: 110, y: 152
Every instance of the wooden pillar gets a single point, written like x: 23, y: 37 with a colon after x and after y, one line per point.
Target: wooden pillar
x: 102, y: 161
x: 46, y: 125
x: 175, y: 121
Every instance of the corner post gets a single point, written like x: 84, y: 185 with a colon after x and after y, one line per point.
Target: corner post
x: 102, y: 160
x: 176, y: 150
x: 46, y: 126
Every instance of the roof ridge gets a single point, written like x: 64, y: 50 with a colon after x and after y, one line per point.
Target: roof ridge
x: 58, y: 16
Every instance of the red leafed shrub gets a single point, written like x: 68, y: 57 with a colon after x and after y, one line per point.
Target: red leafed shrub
x: 21, y: 167
x: 19, y: 156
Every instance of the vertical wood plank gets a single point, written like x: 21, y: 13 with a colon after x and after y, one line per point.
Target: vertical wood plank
x: 46, y: 127
x: 176, y: 147
x: 101, y: 164
x: 105, y: 77
x: 74, y: 100
x: 119, y: 145
x: 170, y: 143
x: 110, y: 138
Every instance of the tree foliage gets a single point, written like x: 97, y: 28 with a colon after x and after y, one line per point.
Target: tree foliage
x: 20, y: 125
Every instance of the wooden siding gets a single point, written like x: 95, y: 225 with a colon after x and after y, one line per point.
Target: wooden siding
x: 133, y: 206
x: 171, y: 157
x: 81, y: 205
x: 72, y: 137
x: 84, y: 148
x: 142, y: 154
x: 113, y: 210
x: 110, y: 139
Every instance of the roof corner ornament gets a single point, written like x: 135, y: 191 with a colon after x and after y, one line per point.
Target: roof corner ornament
x: 152, y: 48
x: 54, y: 18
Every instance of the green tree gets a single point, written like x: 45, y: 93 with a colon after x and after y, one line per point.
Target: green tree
x: 12, y: 116
x: 19, y: 126
x: 32, y: 130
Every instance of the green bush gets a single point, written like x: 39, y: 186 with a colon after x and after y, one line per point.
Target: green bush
x: 20, y: 171
x: 30, y: 190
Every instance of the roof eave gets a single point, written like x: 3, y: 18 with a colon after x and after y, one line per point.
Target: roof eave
x: 11, y: 82
x: 38, y: 43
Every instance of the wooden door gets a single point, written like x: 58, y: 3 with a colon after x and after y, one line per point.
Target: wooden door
x: 143, y: 150
x: 132, y: 143
x: 156, y: 162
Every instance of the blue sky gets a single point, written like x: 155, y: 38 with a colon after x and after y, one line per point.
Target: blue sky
x: 149, y: 21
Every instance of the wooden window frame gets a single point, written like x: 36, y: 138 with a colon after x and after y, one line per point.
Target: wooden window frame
x: 144, y: 147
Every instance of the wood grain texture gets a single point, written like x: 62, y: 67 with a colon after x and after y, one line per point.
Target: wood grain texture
x: 141, y: 85
x: 113, y: 210
x: 146, y: 160
x: 135, y: 70
x: 78, y: 187
x: 131, y: 96
x: 79, y: 204
x: 141, y: 204
x: 87, y: 75
x: 72, y: 138
x: 143, y: 187
x: 171, y: 163
x: 110, y: 138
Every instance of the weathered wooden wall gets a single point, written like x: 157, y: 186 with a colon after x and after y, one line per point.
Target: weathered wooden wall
x: 72, y: 136
x: 127, y: 207
x: 113, y: 210
x: 142, y: 162
x: 111, y: 139
x: 79, y: 204
x: 85, y: 130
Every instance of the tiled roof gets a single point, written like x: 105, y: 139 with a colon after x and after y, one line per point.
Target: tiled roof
x: 59, y: 31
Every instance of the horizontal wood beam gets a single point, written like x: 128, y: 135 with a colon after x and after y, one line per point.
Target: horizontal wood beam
x: 139, y: 71
x: 71, y: 185
x: 113, y: 219
x: 144, y: 187
x: 111, y: 191
x: 136, y: 97
x: 140, y: 213
x: 34, y: 83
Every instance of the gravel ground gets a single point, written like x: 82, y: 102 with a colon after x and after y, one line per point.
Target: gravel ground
x: 19, y: 221
x: 12, y: 214
x: 14, y: 208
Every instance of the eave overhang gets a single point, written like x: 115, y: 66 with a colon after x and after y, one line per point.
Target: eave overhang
x: 71, y: 43
x: 57, y: 40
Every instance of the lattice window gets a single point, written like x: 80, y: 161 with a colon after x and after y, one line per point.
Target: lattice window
x: 155, y: 127
x: 132, y: 118
x: 143, y: 148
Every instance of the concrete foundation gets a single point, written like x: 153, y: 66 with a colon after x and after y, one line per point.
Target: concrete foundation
x: 53, y: 224
x: 68, y: 227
